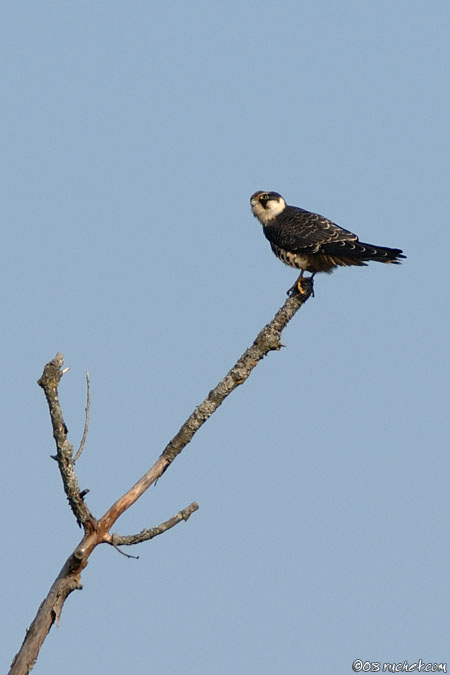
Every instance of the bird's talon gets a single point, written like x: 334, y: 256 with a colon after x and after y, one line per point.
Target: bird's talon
x: 303, y: 286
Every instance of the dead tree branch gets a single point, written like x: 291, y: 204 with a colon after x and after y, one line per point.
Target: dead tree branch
x: 268, y: 339
x: 98, y: 531
x: 49, y: 382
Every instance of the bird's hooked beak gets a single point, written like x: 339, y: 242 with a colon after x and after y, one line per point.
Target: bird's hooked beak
x: 254, y: 199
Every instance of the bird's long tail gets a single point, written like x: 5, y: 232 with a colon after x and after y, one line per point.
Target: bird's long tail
x: 378, y: 253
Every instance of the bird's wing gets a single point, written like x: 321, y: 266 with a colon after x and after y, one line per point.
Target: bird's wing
x: 298, y: 230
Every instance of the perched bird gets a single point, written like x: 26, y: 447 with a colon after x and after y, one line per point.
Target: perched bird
x: 311, y: 243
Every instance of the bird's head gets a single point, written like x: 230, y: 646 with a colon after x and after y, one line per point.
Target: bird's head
x: 266, y: 205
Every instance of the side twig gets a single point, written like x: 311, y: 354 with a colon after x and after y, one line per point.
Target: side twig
x: 86, y: 418
x: 145, y: 535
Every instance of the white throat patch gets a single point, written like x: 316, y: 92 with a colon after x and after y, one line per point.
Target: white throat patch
x: 271, y: 210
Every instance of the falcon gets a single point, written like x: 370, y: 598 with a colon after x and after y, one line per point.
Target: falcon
x: 311, y: 243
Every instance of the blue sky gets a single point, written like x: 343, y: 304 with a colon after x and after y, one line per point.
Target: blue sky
x: 132, y: 137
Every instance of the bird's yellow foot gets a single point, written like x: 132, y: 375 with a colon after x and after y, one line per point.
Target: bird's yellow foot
x: 303, y: 285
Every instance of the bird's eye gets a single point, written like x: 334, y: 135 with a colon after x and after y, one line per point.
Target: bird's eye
x: 265, y: 196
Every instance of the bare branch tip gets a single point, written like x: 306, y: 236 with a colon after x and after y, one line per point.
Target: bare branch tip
x: 189, y: 510
x: 58, y: 360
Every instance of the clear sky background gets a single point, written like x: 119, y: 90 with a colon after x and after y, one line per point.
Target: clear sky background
x: 133, y: 134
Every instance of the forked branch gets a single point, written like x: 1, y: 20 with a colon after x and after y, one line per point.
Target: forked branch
x: 98, y: 531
